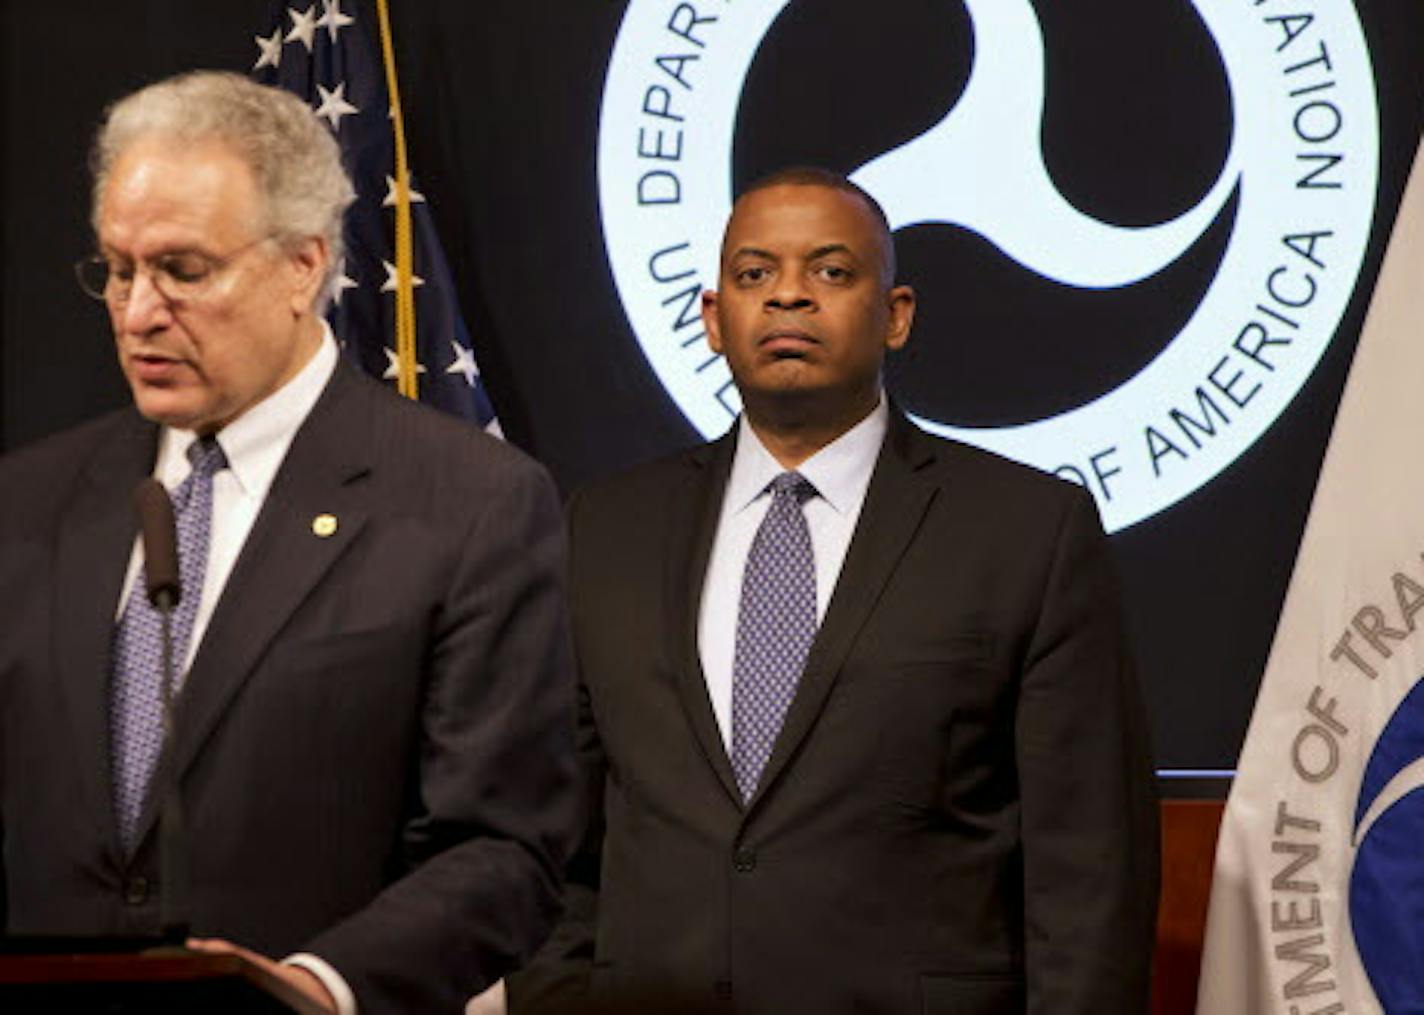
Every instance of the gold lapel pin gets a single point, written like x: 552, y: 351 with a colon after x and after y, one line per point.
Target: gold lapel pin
x: 324, y: 526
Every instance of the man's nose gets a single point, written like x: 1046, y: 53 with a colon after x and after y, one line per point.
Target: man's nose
x: 146, y: 308
x: 790, y: 293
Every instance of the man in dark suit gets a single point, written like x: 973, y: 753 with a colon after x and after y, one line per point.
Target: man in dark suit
x: 374, y: 726
x: 924, y: 788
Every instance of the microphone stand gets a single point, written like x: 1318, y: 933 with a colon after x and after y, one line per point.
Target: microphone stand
x: 172, y: 861
x: 165, y: 588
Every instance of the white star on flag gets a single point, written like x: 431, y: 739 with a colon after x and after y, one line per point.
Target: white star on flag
x: 271, y: 50
x: 390, y: 199
x: 333, y: 20
x: 334, y: 105
x: 464, y: 363
x: 393, y: 366
x: 342, y: 282
x: 303, y: 27
x: 389, y: 285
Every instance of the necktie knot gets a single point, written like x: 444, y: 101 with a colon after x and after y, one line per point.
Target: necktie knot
x: 206, y: 456
x: 792, y: 485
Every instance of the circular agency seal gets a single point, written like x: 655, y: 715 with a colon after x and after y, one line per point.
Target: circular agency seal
x: 1302, y: 166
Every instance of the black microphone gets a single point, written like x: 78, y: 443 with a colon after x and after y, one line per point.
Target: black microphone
x: 160, y: 544
x: 165, y: 589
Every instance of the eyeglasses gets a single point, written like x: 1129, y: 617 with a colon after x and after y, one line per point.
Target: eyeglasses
x: 183, y: 276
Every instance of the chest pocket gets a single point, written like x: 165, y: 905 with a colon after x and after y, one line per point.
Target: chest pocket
x: 941, y: 714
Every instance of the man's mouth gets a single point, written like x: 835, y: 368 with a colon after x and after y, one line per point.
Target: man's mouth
x: 152, y: 366
x: 787, y: 343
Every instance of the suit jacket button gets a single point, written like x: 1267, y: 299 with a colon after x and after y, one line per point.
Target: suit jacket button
x: 136, y: 891
x: 744, y: 860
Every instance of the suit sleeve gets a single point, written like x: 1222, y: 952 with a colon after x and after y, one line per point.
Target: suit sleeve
x: 1089, y: 810
x: 496, y: 805
x: 559, y: 975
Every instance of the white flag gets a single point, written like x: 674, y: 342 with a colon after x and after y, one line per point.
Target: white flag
x: 1317, y: 905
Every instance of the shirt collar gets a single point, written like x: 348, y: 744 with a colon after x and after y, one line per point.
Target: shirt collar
x: 256, y: 441
x: 840, y: 471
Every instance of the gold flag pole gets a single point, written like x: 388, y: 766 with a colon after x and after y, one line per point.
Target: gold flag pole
x: 405, y: 254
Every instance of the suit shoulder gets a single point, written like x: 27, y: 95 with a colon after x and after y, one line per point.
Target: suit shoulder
x: 420, y: 437
x: 67, y: 445
x: 1019, y: 498
x: 960, y: 463
x: 648, y: 480
x: 40, y: 471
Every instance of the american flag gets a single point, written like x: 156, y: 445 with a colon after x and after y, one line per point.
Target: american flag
x: 333, y: 56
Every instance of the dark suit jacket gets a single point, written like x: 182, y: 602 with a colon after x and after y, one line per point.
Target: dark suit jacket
x: 958, y: 815
x: 375, y: 740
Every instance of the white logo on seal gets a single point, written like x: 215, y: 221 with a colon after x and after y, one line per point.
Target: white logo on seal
x: 1303, y: 163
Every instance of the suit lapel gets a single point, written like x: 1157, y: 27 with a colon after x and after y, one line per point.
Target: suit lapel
x: 94, y: 545
x: 282, y: 560
x: 696, y: 510
x: 895, y: 505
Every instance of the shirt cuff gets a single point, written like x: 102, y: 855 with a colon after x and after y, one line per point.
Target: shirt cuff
x: 491, y: 1002
x: 333, y: 981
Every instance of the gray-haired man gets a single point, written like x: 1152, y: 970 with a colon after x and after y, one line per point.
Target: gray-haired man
x: 373, y: 742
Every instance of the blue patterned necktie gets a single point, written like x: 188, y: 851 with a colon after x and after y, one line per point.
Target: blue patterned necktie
x: 776, y: 624
x: 136, y: 705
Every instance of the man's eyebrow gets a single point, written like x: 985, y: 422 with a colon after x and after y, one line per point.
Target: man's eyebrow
x: 822, y: 251
x: 175, y: 250
x: 830, y: 248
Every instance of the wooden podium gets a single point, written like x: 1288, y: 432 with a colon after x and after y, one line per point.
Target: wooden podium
x: 155, y: 981
x: 1189, y: 830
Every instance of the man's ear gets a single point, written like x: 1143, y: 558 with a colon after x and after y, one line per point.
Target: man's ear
x: 710, y: 323
x: 901, y: 300
x: 308, y: 263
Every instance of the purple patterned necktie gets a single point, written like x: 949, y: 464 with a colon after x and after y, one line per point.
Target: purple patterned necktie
x: 136, y: 707
x: 775, y: 627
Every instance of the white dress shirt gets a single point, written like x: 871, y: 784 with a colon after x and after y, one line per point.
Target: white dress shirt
x: 255, y: 444
x: 840, y: 472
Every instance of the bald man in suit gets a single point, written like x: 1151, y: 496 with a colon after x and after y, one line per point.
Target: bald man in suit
x: 859, y: 725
